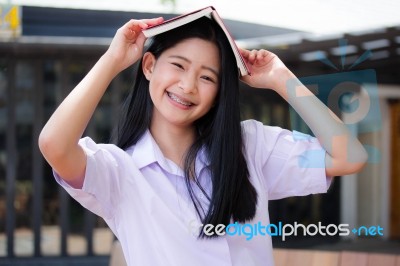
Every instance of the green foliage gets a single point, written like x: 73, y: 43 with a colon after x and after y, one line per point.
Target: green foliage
x: 172, y: 2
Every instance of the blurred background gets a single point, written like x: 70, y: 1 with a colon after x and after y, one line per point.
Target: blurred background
x: 348, y: 53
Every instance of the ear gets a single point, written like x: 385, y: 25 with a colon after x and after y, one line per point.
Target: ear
x: 148, y: 63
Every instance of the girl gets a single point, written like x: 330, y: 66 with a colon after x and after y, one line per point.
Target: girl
x: 184, y: 166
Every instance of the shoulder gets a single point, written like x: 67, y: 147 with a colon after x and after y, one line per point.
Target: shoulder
x: 103, y: 151
x: 253, y: 130
x: 256, y: 129
x: 259, y: 140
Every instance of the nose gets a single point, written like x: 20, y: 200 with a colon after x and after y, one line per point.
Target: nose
x: 188, y: 83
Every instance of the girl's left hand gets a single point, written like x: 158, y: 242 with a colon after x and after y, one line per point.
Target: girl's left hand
x: 266, y: 69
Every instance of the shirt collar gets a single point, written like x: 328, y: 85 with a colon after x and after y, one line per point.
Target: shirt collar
x: 146, y: 151
x: 143, y: 152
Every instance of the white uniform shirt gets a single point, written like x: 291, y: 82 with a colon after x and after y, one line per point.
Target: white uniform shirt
x: 143, y: 198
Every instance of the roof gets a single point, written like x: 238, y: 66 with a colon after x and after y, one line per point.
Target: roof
x: 89, y: 31
x: 44, y: 21
x: 377, y: 49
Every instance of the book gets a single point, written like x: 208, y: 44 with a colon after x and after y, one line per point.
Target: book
x: 209, y: 12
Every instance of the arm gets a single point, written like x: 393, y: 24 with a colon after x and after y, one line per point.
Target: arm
x: 59, y: 138
x: 345, y: 154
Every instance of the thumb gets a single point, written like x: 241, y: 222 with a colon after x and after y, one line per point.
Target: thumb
x: 141, y: 39
x: 245, y: 79
x: 136, y: 48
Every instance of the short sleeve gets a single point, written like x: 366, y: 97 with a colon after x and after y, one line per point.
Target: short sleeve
x: 289, y: 163
x: 104, y: 169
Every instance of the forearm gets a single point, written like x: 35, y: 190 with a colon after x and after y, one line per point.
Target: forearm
x: 345, y: 153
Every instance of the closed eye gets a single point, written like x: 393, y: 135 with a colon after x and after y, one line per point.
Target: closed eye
x: 208, y: 78
x: 178, y: 65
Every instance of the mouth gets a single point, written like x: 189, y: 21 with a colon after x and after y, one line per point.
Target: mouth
x: 179, y: 100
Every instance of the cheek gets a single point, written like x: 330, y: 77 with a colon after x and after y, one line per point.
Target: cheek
x: 155, y: 87
x: 160, y: 80
x: 155, y: 92
x: 209, y: 98
x: 151, y: 90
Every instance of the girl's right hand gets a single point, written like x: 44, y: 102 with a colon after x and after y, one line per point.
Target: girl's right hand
x: 127, y: 45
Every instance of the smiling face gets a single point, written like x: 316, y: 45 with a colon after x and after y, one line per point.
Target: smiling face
x: 183, y: 81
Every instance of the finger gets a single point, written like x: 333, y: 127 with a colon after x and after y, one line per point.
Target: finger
x: 136, y: 26
x: 132, y: 28
x: 245, y: 53
x: 252, y: 56
x: 261, y: 54
x: 153, y: 21
x: 144, y: 23
x: 140, y: 40
x: 132, y: 33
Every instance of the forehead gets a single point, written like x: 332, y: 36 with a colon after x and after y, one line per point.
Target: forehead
x: 196, y: 50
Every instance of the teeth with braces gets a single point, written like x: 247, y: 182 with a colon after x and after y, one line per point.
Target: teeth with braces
x: 178, y: 100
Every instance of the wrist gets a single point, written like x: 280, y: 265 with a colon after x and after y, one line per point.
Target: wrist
x: 111, y: 64
x: 284, y: 76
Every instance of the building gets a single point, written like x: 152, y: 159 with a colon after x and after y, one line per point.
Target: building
x: 55, y: 49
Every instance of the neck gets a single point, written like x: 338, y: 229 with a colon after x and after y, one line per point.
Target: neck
x: 174, y: 141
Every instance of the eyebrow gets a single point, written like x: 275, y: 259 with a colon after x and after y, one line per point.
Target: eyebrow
x: 203, y: 66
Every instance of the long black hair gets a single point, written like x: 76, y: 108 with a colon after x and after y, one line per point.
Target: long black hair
x: 219, y: 131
